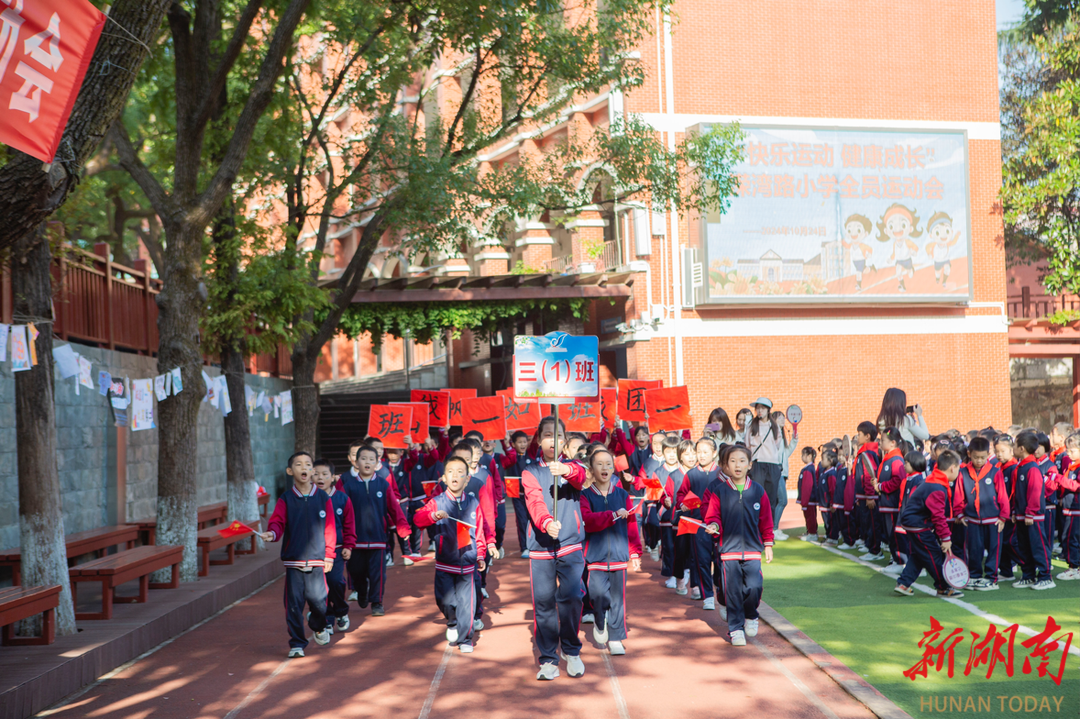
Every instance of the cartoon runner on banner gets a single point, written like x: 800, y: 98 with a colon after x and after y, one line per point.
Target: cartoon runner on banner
x: 858, y: 229
x: 899, y: 224
x: 942, y: 239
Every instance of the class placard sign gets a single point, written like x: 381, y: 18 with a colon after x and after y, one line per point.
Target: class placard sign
x: 556, y: 366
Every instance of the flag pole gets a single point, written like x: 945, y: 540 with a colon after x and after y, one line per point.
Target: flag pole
x: 555, y: 486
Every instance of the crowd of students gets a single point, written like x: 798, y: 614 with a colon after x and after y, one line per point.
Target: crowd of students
x: 589, y: 508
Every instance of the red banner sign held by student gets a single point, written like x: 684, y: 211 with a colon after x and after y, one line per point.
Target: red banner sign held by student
x: 609, y: 405
x: 583, y: 417
x: 486, y: 415
x: 418, y: 431
x: 438, y: 406
x: 45, y: 48
x: 524, y: 415
x: 631, y: 395
x: 668, y: 409
x: 456, y: 395
x: 391, y: 423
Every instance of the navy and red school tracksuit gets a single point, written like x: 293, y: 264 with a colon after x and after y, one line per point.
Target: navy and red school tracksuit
x: 1049, y: 469
x: 521, y: 513
x: 746, y: 528
x: 1009, y: 548
x: 1070, y: 508
x: 455, y: 567
x: 702, y: 545
x: 650, y: 515
x: 375, y: 507
x: 844, y: 505
x: 345, y: 525
x: 807, y: 497
x: 980, y: 497
x: 1030, y: 499
x: 555, y: 565
x: 305, y: 525
x: 610, y: 544
x: 891, y: 476
x: 680, y: 555
x: 910, y: 483
x: 867, y: 520
x: 923, y: 515
x: 827, y: 489
x: 411, y: 497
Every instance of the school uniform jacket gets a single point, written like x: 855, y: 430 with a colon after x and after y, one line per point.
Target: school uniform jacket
x: 698, y: 481
x: 1028, y: 491
x: 745, y: 519
x: 409, y: 488
x: 449, y: 557
x: 891, y: 476
x: 807, y: 496
x: 927, y: 507
x: 865, y: 470
x: 844, y: 494
x: 1070, y: 507
x: 980, y: 495
x: 305, y: 524
x: 636, y: 459
x: 536, y: 484
x: 1049, y: 470
x: 1008, y: 473
x: 375, y: 506
x: 610, y: 542
x: 344, y: 519
x: 673, y: 480
x: 826, y: 487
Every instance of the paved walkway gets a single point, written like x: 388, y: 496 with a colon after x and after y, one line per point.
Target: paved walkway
x: 679, y: 664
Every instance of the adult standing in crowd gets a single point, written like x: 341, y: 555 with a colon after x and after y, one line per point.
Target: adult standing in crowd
x: 895, y: 412
x: 765, y: 439
x: 719, y: 427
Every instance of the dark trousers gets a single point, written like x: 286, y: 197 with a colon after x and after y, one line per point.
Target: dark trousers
x: 827, y: 520
x: 336, y: 606
x: 478, y: 586
x: 925, y: 554
x: 667, y: 551
x: 889, y: 520
x: 702, y: 548
x: 868, y: 526
x: 1048, y: 525
x: 810, y: 519
x: 409, y: 545
x: 607, y: 592
x: 586, y: 601
x: 768, y: 475
x: 500, y: 523
x: 521, y: 521
x: 743, y: 585
x: 958, y: 538
x: 650, y: 534
x: 455, y: 595
x: 832, y: 524
x: 367, y: 569
x: 1070, y: 541
x: 1009, y: 553
x: 845, y: 527
x: 556, y: 596
x: 982, y: 538
x: 684, y: 557
x: 304, y: 588
x: 1033, y: 550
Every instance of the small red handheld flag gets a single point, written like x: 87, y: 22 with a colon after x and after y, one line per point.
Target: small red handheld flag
x: 692, y: 501
x: 261, y: 491
x: 456, y: 395
x: 236, y: 529
x: 513, y: 487
x: 637, y: 507
x: 621, y: 463
x: 486, y: 415
x: 688, y: 526
x: 668, y: 408
x: 464, y: 539
x: 631, y: 396
x: 429, y: 488
x: 654, y: 491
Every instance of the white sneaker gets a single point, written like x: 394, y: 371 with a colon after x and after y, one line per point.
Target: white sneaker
x: 343, y: 624
x: 709, y: 604
x: 1069, y: 575
x: 296, y: 652
x: 873, y: 557
x: 465, y: 648
x: 431, y: 546
x: 502, y: 552
x: 525, y: 554
x: 547, y: 672
x: 670, y: 583
x: 484, y: 592
x: 987, y: 586
x: 322, y: 638
x: 695, y: 593
x: 752, y: 626
x: 655, y: 556
x: 738, y: 639
x: 807, y: 537
x: 686, y: 575
x: 894, y: 570
x: 1024, y: 584
x: 779, y: 536
x: 406, y: 561
x: 616, y: 647
x: 845, y: 545
x: 389, y: 560
x: 574, y: 666
x: 352, y: 596
x: 477, y: 625
x: 1043, y: 584
x: 600, y: 635
x: 860, y: 544
x: 451, y: 634
x: 680, y: 587
x: 588, y: 618
x: 723, y: 611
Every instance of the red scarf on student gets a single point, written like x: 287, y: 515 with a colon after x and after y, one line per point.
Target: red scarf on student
x: 1011, y: 463
x: 938, y: 477
x: 979, y: 476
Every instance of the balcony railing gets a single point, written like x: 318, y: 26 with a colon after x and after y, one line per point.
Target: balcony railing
x: 1028, y: 305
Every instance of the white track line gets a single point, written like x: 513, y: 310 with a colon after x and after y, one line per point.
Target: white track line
x: 967, y: 606
x: 258, y: 690
x: 435, y: 681
x: 127, y: 665
x: 814, y: 698
x: 620, y: 701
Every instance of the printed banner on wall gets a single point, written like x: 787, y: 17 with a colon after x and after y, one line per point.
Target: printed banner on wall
x: 827, y: 215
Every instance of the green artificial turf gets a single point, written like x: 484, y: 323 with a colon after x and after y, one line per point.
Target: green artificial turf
x: 854, y: 614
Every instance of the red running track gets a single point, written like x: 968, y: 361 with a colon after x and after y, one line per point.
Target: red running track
x: 678, y: 664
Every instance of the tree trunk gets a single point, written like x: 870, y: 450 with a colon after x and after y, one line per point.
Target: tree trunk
x: 181, y: 305
x: 305, y: 398
x: 41, y: 521
x: 239, y: 461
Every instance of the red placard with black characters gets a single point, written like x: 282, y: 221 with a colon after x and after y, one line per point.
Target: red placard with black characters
x: 582, y: 417
x: 456, y: 395
x: 418, y: 431
x: 391, y: 423
x: 524, y: 415
x: 486, y: 415
x: 632, y: 398
x: 668, y: 408
x: 609, y: 405
x: 438, y: 406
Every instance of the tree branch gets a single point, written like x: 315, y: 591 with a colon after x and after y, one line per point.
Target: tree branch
x: 129, y: 160
x: 228, y: 60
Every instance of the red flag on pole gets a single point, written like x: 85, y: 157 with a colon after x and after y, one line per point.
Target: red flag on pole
x: 688, y: 526
x: 513, y: 487
x: 464, y: 539
x: 456, y: 395
x: 438, y: 406
x: 621, y: 463
x: 429, y: 488
x: 631, y: 398
x: 486, y: 415
x: 654, y: 491
x: 668, y: 409
x: 45, y: 49
x: 235, y: 529
x: 692, y: 501
x: 636, y: 509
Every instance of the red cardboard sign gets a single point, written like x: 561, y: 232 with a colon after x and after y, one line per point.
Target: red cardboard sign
x: 418, y: 431
x: 609, y: 405
x: 438, y: 406
x: 668, y: 408
x: 486, y: 415
x: 632, y: 398
x: 391, y: 423
x: 456, y: 395
x: 524, y: 415
x: 582, y: 417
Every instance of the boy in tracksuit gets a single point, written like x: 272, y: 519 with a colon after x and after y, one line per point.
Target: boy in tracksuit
x: 1004, y: 454
x: 1070, y: 534
x: 1030, y: 510
x: 891, y: 476
x: 740, y: 516
x: 337, y: 609
x: 827, y: 482
x: 375, y: 507
x: 303, y: 519
x: 914, y: 475
x: 807, y: 497
x: 844, y: 505
x: 702, y: 547
x: 864, y: 472
x: 667, y: 472
x: 456, y: 559
x: 555, y: 559
x: 924, y: 515
x: 650, y: 517
x: 478, y: 485
x: 410, y: 497
x: 981, y: 506
x: 518, y: 449
x: 612, y: 544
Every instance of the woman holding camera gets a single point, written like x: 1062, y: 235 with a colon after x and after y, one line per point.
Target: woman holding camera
x: 895, y: 412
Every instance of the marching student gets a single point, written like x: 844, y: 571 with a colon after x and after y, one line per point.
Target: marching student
x: 410, y: 492
x: 807, y: 496
x: 1004, y: 453
x: 498, y: 484
x: 864, y: 474
x: 642, y: 450
x: 664, y: 513
x: 479, y: 485
x: 375, y: 507
x: 345, y: 528
x: 518, y: 449
x: 304, y: 520
x: 981, y: 505
x: 923, y: 518
x: 1030, y: 510
x: 456, y: 558
x: 740, y: 516
x: 612, y: 544
x: 891, y: 476
x: 555, y: 559
x: 702, y: 548
x: 680, y: 544
x: 650, y: 515
x: 1070, y: 536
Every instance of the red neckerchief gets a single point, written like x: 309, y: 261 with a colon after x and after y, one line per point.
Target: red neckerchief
x: 903, y: 488
x: 938, y: 477
x: 868, y: 446
x: 894, y: 452
x: 1055, y: 453
x: 979, y: 476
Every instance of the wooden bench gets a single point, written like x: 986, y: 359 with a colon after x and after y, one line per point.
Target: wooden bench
x: 18, y: 603
x: 210, y: 540
x: 264, y: 502
x: 78, y: 544
x: 213, y: 514
x: 116, y: 569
